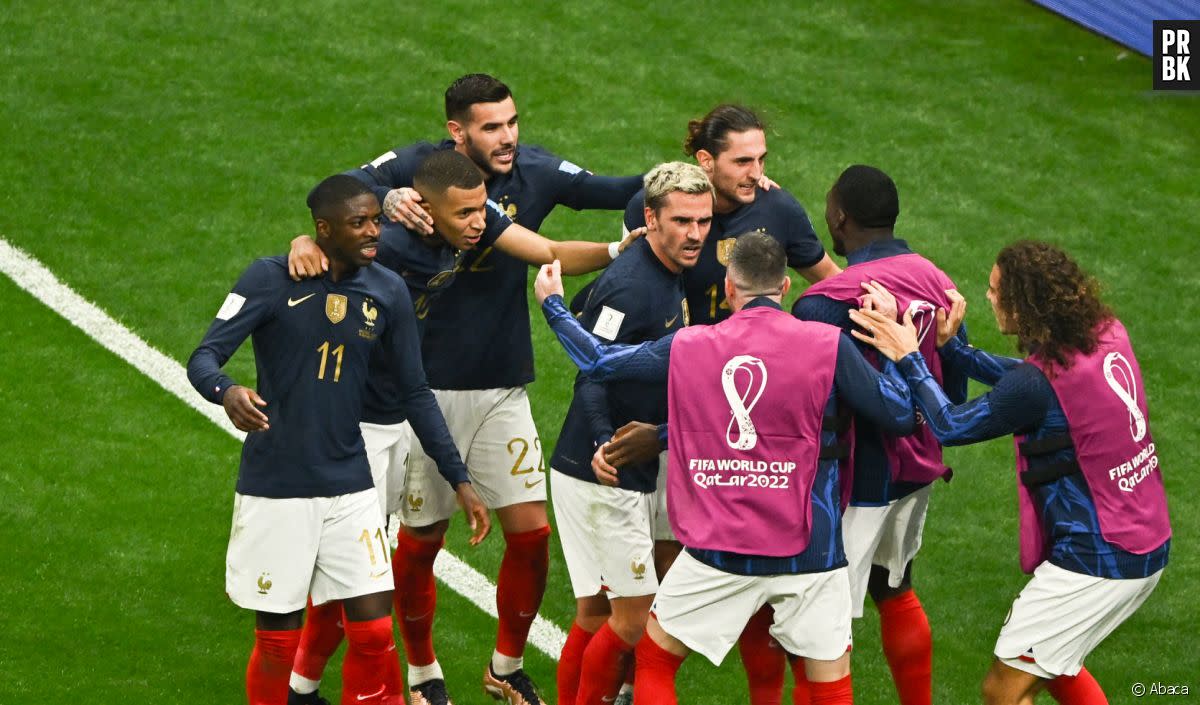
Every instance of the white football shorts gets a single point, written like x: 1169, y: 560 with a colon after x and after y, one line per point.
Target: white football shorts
x: 606, y: 535
x: 1061, y: 616
x: 662, y: 523
x: 707, y: 609
x: 281, y: 551
x: 387, y: 452
x: 493, y: 430
x: 887, y: 536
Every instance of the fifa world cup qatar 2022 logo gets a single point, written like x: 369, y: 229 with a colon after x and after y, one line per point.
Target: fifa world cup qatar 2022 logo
x: 741, y: 402
x: 1119, y: 375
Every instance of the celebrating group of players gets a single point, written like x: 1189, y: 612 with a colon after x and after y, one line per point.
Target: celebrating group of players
x: 752, y: 492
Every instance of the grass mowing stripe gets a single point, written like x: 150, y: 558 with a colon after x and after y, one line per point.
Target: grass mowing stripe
x: 32, y: 276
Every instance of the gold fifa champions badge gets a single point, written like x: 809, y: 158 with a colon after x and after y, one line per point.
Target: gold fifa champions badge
x: 335, y: 307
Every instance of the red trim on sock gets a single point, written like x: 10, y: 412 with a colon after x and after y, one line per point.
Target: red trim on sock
x: 833, y: 693
x: 908, y: 646
x: 270, y: 666
x: 656, y: 669
x: 570, y: 662
x: 367, y: 675
x: 762, y: 658
x: 603, y: 667
x: 415, y: 598
x: 520, y: 587
x: 1080, y: 689
x: 319, y: 639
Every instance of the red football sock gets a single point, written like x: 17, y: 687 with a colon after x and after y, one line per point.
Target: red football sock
x: 763, y: 659
x: 908, y: 646
x: 321, y: 636
x: 835, y: 693
x: 415, y: 597
x: 800, y: 691
x: 270, y: 666
x: 656, y: 669
x: 570, y: 662
x: 1077, y: 690
x: 367, y: 677
x: 520, y: 586
x: 604, y: 662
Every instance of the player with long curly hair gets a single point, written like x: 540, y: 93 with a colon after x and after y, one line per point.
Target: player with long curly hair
x: 1094, y: 526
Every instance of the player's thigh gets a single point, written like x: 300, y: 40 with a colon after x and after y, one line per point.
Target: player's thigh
x: 354, y: 557
x: 812, y: 613
x: 705, y: 608
x: 1061, y: 616
x: 427, y: 497
x: 387, y: 448
x: 505, y: 456
x: 272, y: 551
x: 572, y: 500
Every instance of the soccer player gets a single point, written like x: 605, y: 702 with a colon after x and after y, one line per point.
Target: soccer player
x: 306, y: 517
x: 607, y: 532
x: 892, y: 475
x: 754, y: 497
x: 1094, y: 526
x: 453, y: 192
x: 730, y: 144
x: 479, y: 357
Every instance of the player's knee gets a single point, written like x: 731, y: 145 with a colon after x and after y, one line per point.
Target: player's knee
x: 993, y: 689
x: 370, y: 637
x: 629, y: 627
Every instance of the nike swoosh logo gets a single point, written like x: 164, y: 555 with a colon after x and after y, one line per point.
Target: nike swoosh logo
x: 671, y: 321
x: 415, y: 619
x: 380, y: 574
x: 527, y: 614
x: 302, y: 299
x: 528, y: 484
x: 372, y: 695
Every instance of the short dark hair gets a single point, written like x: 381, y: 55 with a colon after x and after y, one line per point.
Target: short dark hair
x: 709, y: 132
x: 757, y: 263
x: 868, y: 195
x: 471, y: 89
x: 445, y: 168
x: 332, y: 194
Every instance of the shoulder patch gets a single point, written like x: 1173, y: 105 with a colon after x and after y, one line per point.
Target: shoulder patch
x: 381, y: 159
x: 608, y: 324
x: 229, y: 309
x: 569, y: 167
x: 496, y: 207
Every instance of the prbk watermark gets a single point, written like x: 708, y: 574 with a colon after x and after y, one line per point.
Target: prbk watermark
x: 1153, y: 688
x: 1173, y: 47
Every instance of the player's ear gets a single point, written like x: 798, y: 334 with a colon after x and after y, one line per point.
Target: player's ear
x: 323, y: 229
x: 785, y: 285
x: 705, y: 159
x: 651, y: 218
x: 458, y: 131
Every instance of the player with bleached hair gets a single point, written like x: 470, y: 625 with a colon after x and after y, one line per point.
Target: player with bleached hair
x: 1094, y: 526
x: 754, y: 472
x: 607, y: 532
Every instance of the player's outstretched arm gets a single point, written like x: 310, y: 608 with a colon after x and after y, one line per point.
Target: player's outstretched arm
x: 575, y: 256
x: 823, y: 269
x: 644, y: 362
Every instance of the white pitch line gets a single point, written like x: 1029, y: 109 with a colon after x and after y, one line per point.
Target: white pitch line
x: 33, y: 277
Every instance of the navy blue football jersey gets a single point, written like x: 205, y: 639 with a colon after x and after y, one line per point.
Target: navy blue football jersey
x: 775, y: 212
x: 636, y: 299
x: 313, y: 341
x: 478, y: 336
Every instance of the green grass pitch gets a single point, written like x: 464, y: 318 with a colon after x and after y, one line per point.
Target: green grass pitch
x: 151, y: 150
